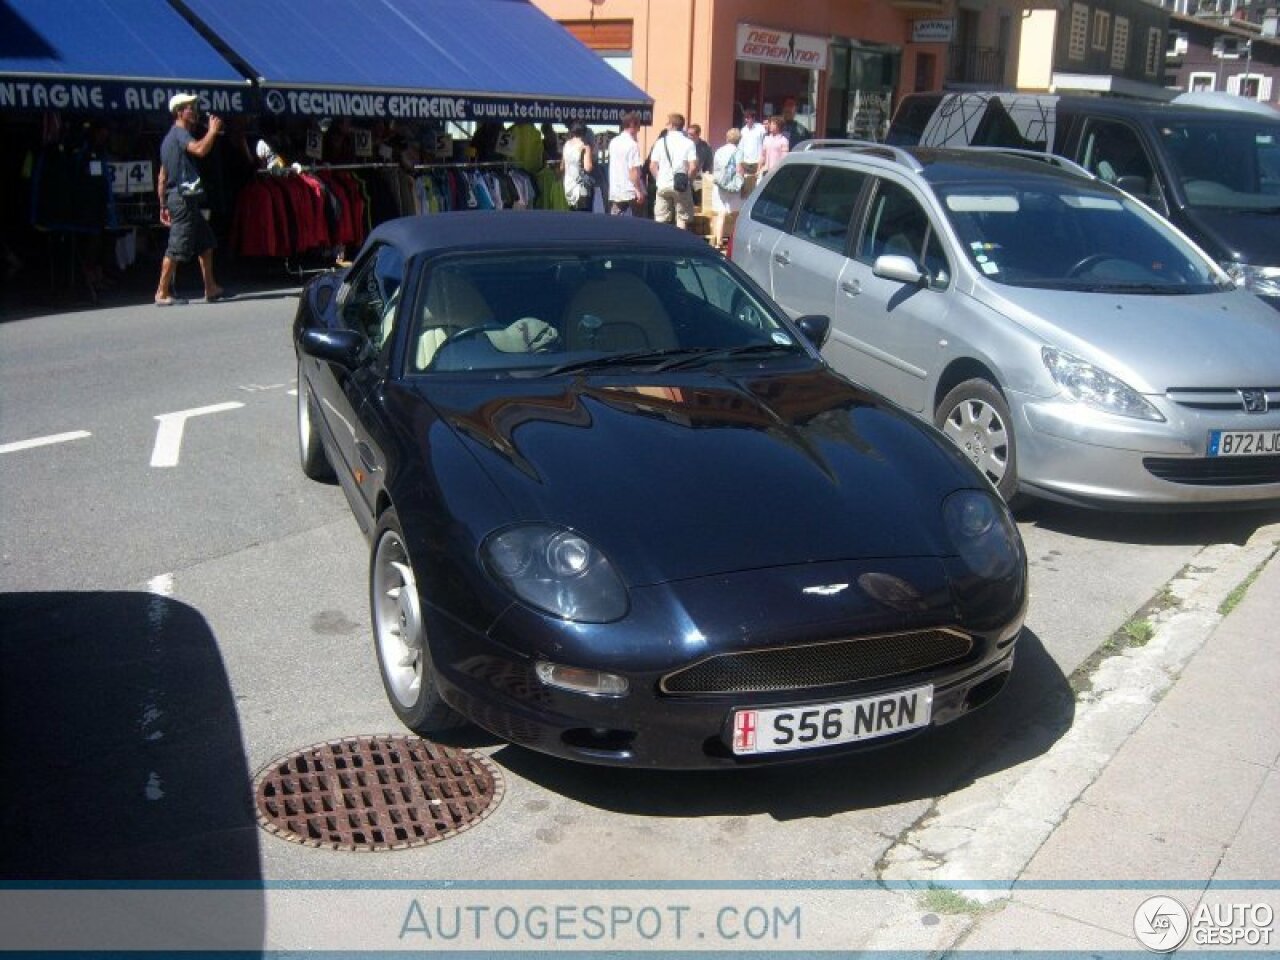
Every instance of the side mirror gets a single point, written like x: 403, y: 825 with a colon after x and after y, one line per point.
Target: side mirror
x: 815, y: 327
x: 346, y: 348
x: 892, y: 266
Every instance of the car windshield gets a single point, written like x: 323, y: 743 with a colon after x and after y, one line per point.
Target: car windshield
x: 543, y: 313
x: 1226, y: 163
x: 1068, y: 235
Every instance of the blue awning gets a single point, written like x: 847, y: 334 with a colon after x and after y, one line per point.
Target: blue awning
x: 416, y: 60
x: 109, y: 56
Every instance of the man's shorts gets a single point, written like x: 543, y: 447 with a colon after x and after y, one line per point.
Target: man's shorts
x: 190, y: 234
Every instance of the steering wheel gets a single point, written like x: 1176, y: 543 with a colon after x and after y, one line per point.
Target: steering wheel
x: 746, y: 311
x: 1092, y: 260
x: 472, y: 331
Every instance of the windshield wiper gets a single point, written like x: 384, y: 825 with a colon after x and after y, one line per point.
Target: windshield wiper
x: 617, y: 359
x: 709, y: 354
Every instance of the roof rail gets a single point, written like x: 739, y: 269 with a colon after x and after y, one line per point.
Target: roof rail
x: 1053, y: 159
x: 896, y: 154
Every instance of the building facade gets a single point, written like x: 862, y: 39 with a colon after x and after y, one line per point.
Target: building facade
x: 1219, y: 52
x: 845, y: 62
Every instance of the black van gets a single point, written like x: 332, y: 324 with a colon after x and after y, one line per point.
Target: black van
x: 1214, y: 173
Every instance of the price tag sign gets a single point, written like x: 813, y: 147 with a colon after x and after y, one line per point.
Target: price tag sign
x: 363, y: 143
x: 131, y: 176
x: 315, y: 143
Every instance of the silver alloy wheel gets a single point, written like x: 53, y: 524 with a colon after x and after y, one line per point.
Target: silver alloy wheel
x: 977, y: 428
x: 398, y: 621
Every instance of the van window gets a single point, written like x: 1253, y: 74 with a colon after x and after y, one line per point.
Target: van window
x: 1228, y: 164
x: 779, y: 194
x: 1113, y: 153
x: 897, y: 224
x: 828, y: 207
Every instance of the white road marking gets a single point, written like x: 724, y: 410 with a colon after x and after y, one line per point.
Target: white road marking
x: 44, y: 441
x: 260, y: 387
x: 169, y: 434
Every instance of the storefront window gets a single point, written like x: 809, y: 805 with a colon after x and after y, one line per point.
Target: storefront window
x: 860, y: 90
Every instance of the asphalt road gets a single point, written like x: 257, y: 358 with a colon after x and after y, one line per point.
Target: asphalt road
x: 181, y: 606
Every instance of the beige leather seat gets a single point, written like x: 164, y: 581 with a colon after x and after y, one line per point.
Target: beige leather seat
x: 453, y: 303
x: 629, y: 315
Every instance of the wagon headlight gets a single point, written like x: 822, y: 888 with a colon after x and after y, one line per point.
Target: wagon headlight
x: 557, y: 571
x: 1264, y: 281
x: 1096, y: 388
x: 982, y: 532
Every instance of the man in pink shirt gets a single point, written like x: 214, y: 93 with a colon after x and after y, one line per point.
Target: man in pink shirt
x: 775, y: 146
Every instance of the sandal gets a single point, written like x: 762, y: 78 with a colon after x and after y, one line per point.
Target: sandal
x: 170, y: 301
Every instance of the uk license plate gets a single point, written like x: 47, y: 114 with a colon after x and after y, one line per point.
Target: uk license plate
x: 827, y: 724
x: 1243, y: 443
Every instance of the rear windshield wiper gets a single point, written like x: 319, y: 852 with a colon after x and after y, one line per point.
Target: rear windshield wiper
x: 636, y: 357
x: 711, y: 354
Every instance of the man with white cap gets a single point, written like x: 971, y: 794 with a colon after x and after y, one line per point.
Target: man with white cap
x: 190, y: 236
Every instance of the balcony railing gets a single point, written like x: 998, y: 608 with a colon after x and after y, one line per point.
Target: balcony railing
x: 967, y: 63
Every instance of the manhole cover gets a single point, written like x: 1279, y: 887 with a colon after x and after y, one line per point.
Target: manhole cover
x: 375, y: 793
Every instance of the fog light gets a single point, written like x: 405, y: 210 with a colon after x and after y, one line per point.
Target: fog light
x: 594, y: 683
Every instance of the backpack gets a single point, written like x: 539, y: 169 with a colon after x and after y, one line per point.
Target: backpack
x: 730, y: 180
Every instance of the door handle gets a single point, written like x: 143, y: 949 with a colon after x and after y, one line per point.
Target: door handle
x: 851, y: 287
x: 366, y: 457
x: 782, y: 258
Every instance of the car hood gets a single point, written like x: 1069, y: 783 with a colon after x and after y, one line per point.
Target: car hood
x: 1247, y: 236
x: 1154, y: 342
x: 685, y: 475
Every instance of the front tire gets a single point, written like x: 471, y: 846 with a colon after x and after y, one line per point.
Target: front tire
x: 400, y: 634
x: 311, y: 456
x: 975, y: 416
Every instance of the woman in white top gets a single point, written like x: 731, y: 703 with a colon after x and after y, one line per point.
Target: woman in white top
x: 577, y: 158
x: 723, y: 202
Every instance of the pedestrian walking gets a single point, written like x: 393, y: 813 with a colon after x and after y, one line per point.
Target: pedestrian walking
x: 774, y: 147
x: 752, y: 142
x: 727, y: 174
x: 180, y: 191
x: 674, y: 163
x: 577, y: 160
x: 706, y: 159
x: 792, y: 129
x: 626, y: 178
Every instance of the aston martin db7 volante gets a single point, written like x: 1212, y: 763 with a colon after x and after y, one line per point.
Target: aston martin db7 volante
x: 621, y: 511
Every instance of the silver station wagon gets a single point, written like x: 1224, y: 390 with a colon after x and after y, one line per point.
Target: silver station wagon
x: 1072, y: 342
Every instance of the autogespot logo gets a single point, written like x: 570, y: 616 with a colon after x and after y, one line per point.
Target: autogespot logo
x: 1161, y: 924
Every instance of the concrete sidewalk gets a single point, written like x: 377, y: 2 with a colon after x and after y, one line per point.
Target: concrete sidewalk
x: 1166, y: 785
x: 1191, y: 798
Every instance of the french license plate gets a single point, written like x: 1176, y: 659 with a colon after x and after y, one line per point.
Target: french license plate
x: 1243, y: 443
x: 827, y: 724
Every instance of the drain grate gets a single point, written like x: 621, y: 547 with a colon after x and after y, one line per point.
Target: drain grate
x: 376, y: 793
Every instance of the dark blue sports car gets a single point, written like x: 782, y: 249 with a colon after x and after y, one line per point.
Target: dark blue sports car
x: 621, y: 511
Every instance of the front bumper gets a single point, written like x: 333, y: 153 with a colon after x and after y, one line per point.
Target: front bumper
x: 1067, y: 451
x: 490, y: 678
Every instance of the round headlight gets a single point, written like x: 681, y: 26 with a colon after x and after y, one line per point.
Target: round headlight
x: 568, y: 555
x: 557, y: 571
x: 983, y: 533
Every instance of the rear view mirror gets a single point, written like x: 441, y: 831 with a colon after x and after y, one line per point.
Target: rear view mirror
x: 1133, y: 184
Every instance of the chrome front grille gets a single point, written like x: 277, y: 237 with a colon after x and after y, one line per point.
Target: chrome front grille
x: 805, y: 666
x: 1220, y: 398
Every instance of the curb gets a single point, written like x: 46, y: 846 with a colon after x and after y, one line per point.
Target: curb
x: 981, y: 838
